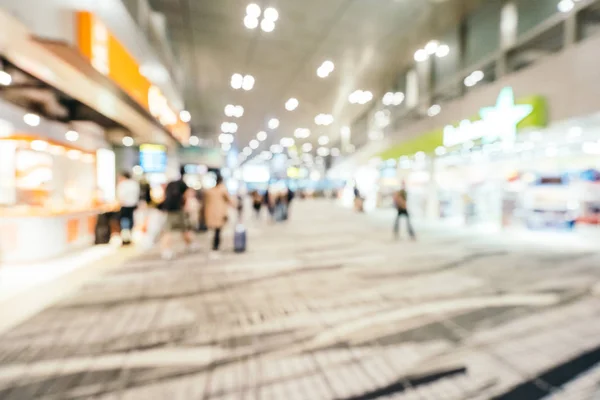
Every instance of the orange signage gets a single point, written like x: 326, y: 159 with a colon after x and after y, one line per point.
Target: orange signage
x: 110, y: 57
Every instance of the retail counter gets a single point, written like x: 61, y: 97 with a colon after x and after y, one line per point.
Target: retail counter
x: 37, y: 235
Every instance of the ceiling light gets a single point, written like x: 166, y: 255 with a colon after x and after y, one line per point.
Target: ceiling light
x: 421, y: 55
x: 477, y: 75
x: 302, y: 133
x: 32, y: 119
x: 5, y: 78
x: 324, y: 140
x: 72, y: 136
x: 271, y: 14
x: 398, y: 98
x: 325, y: 69
x: 432, y: 47
x: 322, y: 73
x: 287, y: 142
x: 225, y: 146
x: 273, y: 123
x: 226, y: 138
x: 262, y: 136
x: 324, y: 119
x: 565, y: 6
x: 253, y: 10
x: 254, y: 144
x: 248, y: 82
x: 185, y: 116
x: 276, y: 149
x: 291, y: 104
x: 442, y: 51
x: 250, y: 22
x: 128, y: 141
x: 247, y: 151
x: 360, y: 97
x: 388, y: 99
x: 434, y: 110
x: 229, y: 110
x: 474, y: 78
x: 306, y: 147
x: 194, y: 140
x: 323, y: 151
x: 229, y: 127
x: 267, y: 25
x: 382, y: 118
x: 236, y: 81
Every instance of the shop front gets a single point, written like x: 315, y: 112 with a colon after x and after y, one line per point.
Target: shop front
x: 53, y: 184
x: 507, y: 167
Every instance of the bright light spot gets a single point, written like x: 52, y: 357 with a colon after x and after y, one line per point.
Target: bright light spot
x: 247, y: 151
x: 32, y: 119
x: 276, y: 149
x: 323, y: 151
x: 262, y: 136
x: 266, y: 155
x: 302, y: 133
x: 72, y: 136
x: 226, y: 146
x: 229, y: 110
x: 434, y: 110
x: 551, y: 151
x: 39, y: 145
x: 254, y: 144
x: 128, y: 141
x: 271, y: 14
x: 325, y: 69
x: 74, y: 154
x: 287, y: 142
x: 248, y: 82
x: 194, y: 140
x: 442, y: 51
x: 307, y: 147
x: 565, y: 6
x: 335, y: 152
x: 5, y: 78
x: 250, y: 22
x: 440, y: 151
x: 324, y: 119
x: 474, y: 78
x: 229, y: 127
x: 226, y: 138
x: 315, y: 175
x: 267, y: 25
x: 398, y: 98
x: 253, y: 10
x: 137, y: 170
x: 432, y: 47
x: 236, y: 81
x: 185, y: 116
x: 420, y: 156
x: 324, y: 140
x: 421, y: 55
x: 575, y: 131
x: 273, y: 123
x: 360, y: 97
x: 345, y: 131
x: 291, y: 104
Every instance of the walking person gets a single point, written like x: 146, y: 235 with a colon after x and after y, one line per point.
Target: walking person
x: 216, y: 207
x: 257, y: 201
x: 400, y: 201
x: 128, y: 194
x: 176, y: 194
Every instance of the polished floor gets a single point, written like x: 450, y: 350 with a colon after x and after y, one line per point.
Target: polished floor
x: 326, y: 306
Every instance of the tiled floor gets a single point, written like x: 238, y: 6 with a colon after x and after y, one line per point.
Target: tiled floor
x: 326, y: 306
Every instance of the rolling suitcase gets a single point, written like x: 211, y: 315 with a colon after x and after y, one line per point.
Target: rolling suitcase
x: 239, y: 239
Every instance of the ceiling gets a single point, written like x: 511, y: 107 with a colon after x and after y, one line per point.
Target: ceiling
x: 369, y: 41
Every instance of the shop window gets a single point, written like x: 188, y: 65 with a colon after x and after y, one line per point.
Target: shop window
x: 533, y: 13
x: 483, y: 32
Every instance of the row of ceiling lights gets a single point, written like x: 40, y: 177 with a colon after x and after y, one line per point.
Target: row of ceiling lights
x: 566, y: 6
x: 432, y: 48
x: 269, y: 17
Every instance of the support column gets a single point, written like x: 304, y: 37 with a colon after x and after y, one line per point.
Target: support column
x: 571, y: 29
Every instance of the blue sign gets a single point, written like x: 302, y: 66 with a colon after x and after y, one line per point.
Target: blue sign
x: 153, y: 158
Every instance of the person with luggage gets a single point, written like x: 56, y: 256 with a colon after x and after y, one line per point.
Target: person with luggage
x: 177, y: 219
x: 216, y: 208
x: 128, y: 194
x: 400, y: 201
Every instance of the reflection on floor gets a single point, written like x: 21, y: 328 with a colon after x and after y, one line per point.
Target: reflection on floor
x: 324, y: 307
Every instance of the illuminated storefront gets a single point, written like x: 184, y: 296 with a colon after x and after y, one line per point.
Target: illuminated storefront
x: 54, y: 182
x: 506, y: 168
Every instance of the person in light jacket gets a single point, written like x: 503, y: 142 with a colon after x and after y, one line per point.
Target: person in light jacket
x: 216, y: 209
